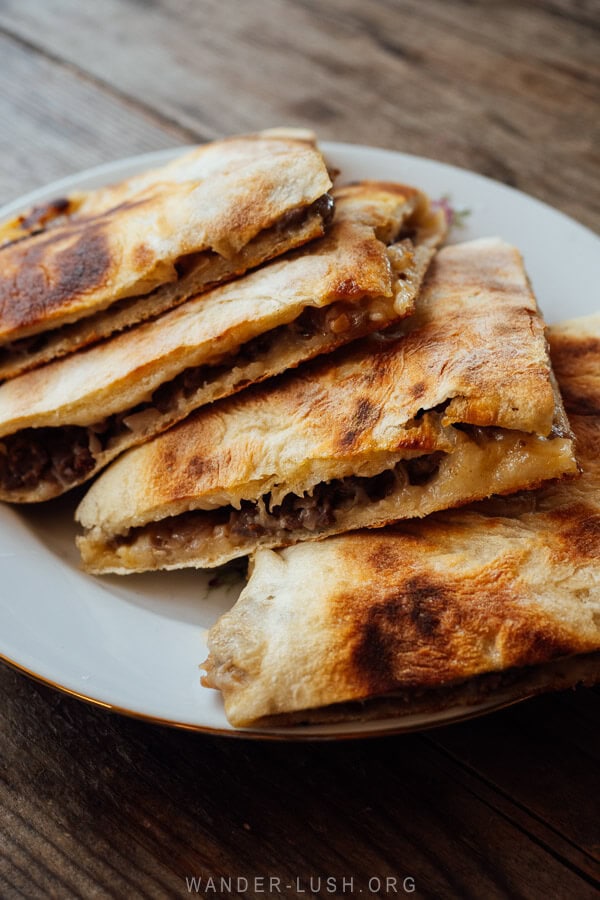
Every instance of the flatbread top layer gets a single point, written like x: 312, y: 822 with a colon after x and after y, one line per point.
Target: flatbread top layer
x: 105, y: 254
x: 349, y: 265
x: 63, y: 423
x: 197, y: 164
x: 476, y: 345
x: 504, y: 584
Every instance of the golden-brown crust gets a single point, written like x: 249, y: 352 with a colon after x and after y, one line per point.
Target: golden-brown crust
x: 79, y: 382
x: 102, y: 254
x: 479, y: 347
x: 198, y: 273
x: 487, y: 692
x: 199, y: 163
x: 425, y: 629
x: 375, y: 284
x: 469, y: 471
x: 502, y: 585
x: 46, y: 273
x: 386, y: 196
x: 574, y: 356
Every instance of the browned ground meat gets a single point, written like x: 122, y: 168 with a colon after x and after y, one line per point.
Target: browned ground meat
x: 316, y: 511
x: 60, y: 454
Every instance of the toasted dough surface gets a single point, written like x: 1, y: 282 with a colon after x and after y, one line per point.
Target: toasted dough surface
x: 349, y: 264
x: 197, y: 164
x: 350, y: 274
x: 382, y: 207
x: 106, y: 253
x: 500, y: 586
x: 199, y: 273
x: 476, y: 342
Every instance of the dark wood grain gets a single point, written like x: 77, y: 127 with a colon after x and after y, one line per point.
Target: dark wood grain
x: 96, y: 805
x: 113, y: 805
x: 509, y: 90
x: 54, y: 123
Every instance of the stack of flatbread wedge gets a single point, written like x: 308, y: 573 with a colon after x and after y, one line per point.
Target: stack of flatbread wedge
x: 459, y: 406
x: 62, y: 422
x: 265, y: 361
x: 83, y: 267
x: 499, y: 599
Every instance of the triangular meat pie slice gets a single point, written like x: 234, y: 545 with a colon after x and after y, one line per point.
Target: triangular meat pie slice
x: 459, y: 407
x: 60, y: 424
x: 486, y: 604
x: 127, y: 253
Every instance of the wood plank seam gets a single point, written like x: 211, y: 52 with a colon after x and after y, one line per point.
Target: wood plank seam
x: 183, y: 132
x: 541, y: 842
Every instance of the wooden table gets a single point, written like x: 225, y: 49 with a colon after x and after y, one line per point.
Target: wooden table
x: 96, y: 805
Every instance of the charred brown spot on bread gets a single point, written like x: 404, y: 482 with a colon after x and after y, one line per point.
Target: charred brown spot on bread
x: 384, y: 362
x: 365, y: 416
x: 376, y: 650
x: 427, y: 606
x: 418, y: 390
x: 83, y: 265
x: 398, y: 624
x: 199, y: 467
x: 168, y: 461
x: 366, y: 413
x: 581, y: 538
x: 79, y: 267
x: 383, y: 559
x: 143, y: 256
x: 40, y: 215
x: 423, y: 632
x: 548, y: 645
x: 347, y: 289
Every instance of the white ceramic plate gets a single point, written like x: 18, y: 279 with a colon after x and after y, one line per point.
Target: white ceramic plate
x: 135, y: 644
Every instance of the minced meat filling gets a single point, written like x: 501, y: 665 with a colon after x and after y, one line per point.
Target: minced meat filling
x: 333, y: 319
x: 323, y: 207
x: 313, y: 512
x: 66, y: 455
x: 22, y: 347
x: 317, y: 511
x: 34, y: 455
